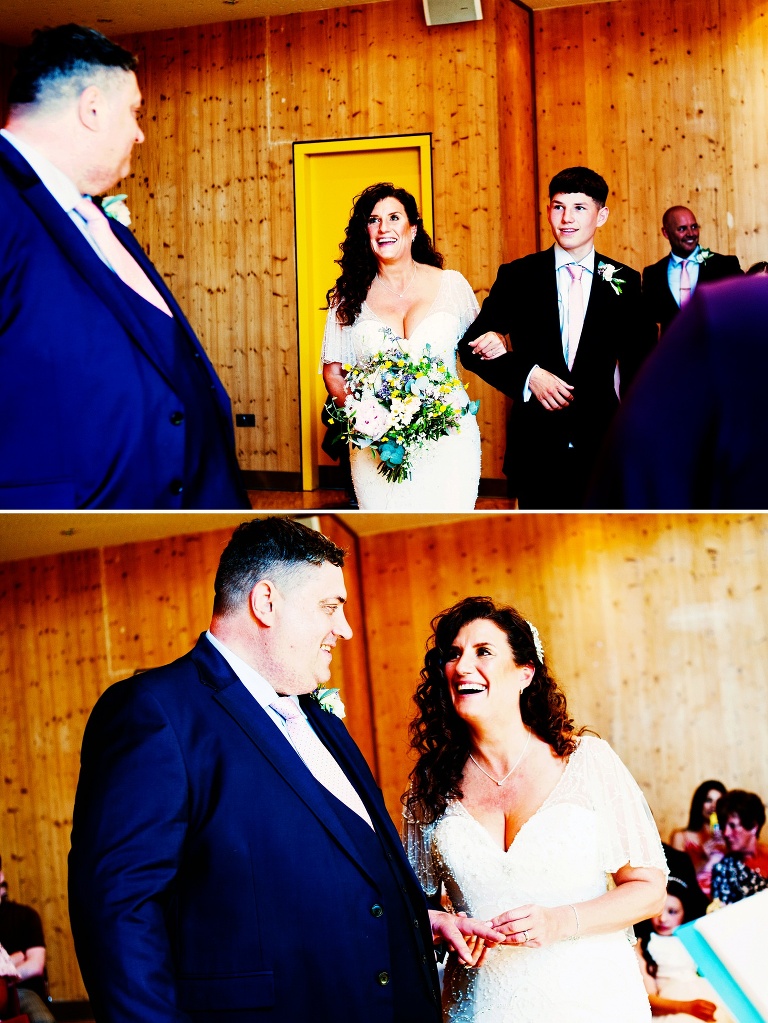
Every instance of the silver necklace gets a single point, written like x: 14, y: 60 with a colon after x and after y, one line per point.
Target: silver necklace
x: 510, y: 772
x: 392, y: 290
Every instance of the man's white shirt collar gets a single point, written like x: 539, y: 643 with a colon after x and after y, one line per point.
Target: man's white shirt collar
x: 61, y: 187
x: 677, y: 260
x: 256, y: 684
x: 563, y: 258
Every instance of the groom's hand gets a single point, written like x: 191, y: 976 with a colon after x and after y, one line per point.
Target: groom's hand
x: 551, y: 391
x: 489, y: 345
x: 468, y: 937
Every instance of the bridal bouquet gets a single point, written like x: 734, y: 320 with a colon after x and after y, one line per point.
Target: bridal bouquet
x: 396, y: 404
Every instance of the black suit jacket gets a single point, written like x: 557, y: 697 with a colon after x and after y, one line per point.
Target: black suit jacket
x: 523, y: 303
x: 690, y: 436
x: 212, y: 878
x: 660, y: 301
x: 95, y: 410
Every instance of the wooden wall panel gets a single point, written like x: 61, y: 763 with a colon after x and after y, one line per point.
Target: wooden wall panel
x: 654, y: 625
x: 663, y: 99
x: 212, y: 192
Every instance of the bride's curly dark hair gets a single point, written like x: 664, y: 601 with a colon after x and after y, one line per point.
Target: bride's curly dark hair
x: 358, y: 263
x: 441, y: 737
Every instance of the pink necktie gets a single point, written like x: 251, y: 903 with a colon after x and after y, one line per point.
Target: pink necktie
x: 317, y: 757
x: 685, y: 283
x: 118, y: 257
x: 575, y: 312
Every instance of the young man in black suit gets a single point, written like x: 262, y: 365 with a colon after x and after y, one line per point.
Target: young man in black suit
x: 573, y: 316
x: 668, y: 284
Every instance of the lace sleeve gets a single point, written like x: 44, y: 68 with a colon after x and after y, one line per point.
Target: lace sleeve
x: 417, y: 839
x: 466, y: 302
x: 337, y: 342
x: 628, y: 832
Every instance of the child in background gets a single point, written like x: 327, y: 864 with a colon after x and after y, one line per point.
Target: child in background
x: 669, y: 972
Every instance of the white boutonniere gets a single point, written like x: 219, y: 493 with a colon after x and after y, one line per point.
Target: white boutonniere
x: 607, y: 271
x: 704, y: 255
x: 114, y: 206
x: 330, y: 701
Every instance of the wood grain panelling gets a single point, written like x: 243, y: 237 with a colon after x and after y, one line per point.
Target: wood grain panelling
x: 654, y: 625
x: 72, y: 624
x: 663, y: 100
x: 212, y: 194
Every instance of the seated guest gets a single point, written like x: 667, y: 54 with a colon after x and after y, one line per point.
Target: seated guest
x: 701, y: 837
x: 668, y: 284
x: 669, y: 972
x: 21, y: 935
x: 744, y: 869
x: 687, y: 437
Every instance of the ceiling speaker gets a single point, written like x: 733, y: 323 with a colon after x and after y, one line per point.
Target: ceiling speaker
x: 451, y: 12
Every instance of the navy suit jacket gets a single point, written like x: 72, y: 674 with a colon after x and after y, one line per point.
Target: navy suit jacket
x: 90, y: 409
x: 523, y: 303
x: 211, y: 877
x: 690, y: 436
x: 659, y: 299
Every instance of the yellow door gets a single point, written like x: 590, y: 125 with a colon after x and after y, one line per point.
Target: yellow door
x: 327, y: 177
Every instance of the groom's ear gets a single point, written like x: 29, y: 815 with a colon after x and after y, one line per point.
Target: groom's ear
x: 602, y: 216
x: 262, y: 599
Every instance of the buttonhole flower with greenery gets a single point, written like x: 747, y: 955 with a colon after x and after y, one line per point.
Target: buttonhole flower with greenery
x: 114, y: 206
x: 397, y: 403
x: 330, y: 701
x: 607, y: 272
x: 703, y: 255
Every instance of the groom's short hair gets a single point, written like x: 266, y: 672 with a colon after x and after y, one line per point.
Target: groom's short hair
x: 274, y: 548
x: 61, y: 62
x: 580, y: 179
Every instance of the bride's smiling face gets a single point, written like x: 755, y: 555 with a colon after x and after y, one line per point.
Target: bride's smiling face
x: 390, y: 233
x: 481, y: 673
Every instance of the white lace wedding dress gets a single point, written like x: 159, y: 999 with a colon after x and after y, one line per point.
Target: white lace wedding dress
x: 446, y: 472
x: 593, y: 822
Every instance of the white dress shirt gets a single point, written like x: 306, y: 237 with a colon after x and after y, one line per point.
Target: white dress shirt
x: 62, y: 188
x: 256, y: 684
x: 563, y: 279
x: 674, y: 268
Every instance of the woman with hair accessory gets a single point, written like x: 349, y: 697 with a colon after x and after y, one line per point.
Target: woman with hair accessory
x: 671, y: 979
x: 393, y: 297
x: 701, y: 838
x: 520, y: 820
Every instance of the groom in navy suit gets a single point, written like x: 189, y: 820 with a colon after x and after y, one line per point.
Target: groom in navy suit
x: 573, y: 316
x: 108, y: 399
x: 232, y: 858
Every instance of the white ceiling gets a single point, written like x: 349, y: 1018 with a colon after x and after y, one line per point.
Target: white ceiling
x: 117, y: 17
x: 38, y: 534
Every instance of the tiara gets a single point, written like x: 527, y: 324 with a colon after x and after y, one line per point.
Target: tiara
x: 677, y: 880
x: 536, y: 641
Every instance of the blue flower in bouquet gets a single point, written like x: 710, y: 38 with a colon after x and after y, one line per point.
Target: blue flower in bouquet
x: 397, y: 403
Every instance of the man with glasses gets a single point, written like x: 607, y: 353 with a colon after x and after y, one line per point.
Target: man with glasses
x: 670, y: 283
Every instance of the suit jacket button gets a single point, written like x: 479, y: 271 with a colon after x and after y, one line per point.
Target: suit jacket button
x: 177, y: 418
x: 176, y: 487
x: 383, y: 978
x: 376, y: 910
x: 416, y: 924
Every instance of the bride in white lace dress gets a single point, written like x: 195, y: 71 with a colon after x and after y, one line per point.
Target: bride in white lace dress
x: 523, y: 823
x: 393, y: 292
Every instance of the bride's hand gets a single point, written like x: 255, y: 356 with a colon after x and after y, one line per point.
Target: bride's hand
x: 468, y: 938
x: 534, y: 926
x: 489, y: 345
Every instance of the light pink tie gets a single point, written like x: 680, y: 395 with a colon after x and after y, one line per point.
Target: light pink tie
x: 317, y: 757
x: 685, y: 283
x: 575, y: 312
x: 118, y: 257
